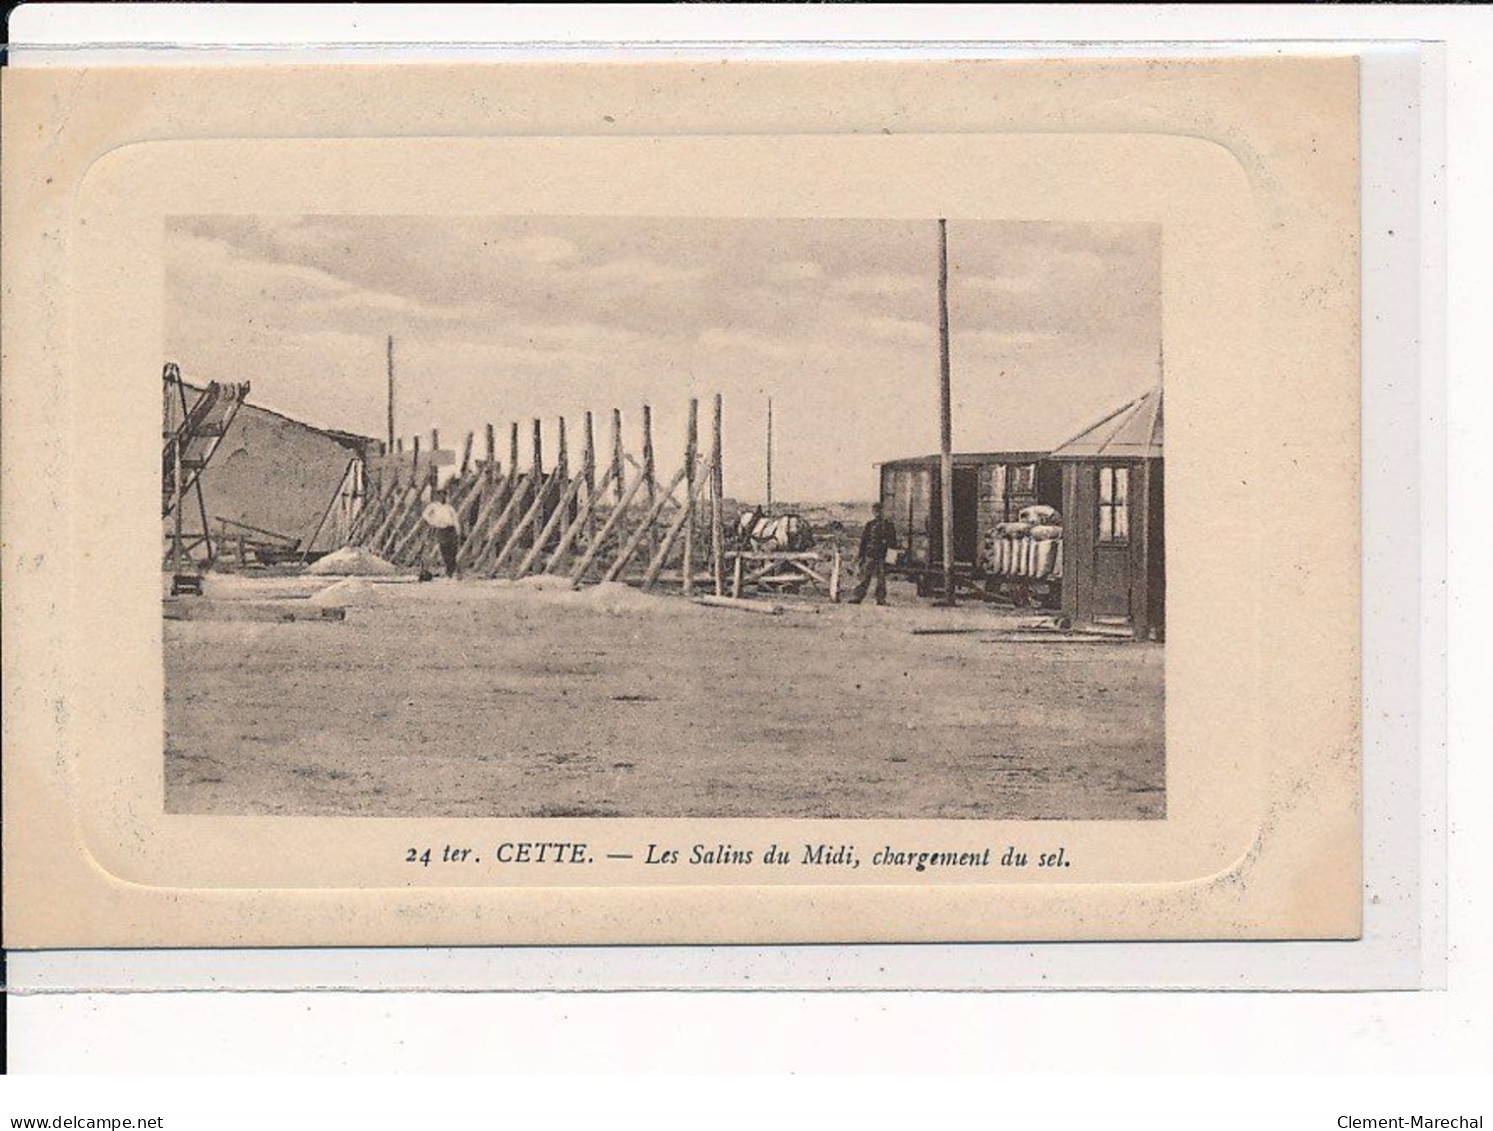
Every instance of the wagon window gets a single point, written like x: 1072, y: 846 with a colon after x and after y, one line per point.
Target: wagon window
x: 1114, y: 504
x: 1023, y: 478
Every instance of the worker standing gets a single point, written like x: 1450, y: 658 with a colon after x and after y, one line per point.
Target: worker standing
x: 877, y: 538
x: 443, y: 521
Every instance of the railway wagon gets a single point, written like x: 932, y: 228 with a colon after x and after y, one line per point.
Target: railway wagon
x: 993, y: 556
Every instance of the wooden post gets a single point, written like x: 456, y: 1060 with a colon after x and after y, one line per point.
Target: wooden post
x: 680, y: 523
x: 586, y: 520
x: 472, y: 543
x: 617, y: 468
x: 528, y: 521
x: 466, y: 456
x: 768, y: 509
x: 945, y: 423
x: 558, y: 515
x: 536, y: 464
x: 578, y: 574
x: 736, y: 576
x: 558, y: 482
x: 516, y: 493
x: 834, y: 576
x: 691, y: 453
x: 588, y: 470
x: 551, y: 524
x: 650, y: 471
x: 391, y: 392
x: 717, y: 534
x: 490, y: 464
x: 644, y: 528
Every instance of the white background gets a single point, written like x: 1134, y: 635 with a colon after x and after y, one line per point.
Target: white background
x: 1371, y: 1039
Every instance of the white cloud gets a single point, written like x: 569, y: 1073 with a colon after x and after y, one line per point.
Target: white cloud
x: 884, y: 283
x: 792, y: 271
x: 902, y: 330
x: 546, y: 249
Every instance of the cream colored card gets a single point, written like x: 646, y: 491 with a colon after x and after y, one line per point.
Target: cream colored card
x: 1140, y: 722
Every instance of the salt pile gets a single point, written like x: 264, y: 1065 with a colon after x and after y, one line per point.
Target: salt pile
x: 352, y: 561
x: 348, y: 590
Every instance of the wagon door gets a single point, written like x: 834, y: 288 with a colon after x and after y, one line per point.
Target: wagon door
x: 1112, y: 543
x: 966, y: 515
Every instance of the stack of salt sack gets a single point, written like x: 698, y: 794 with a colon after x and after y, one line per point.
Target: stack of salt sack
x: 1045, y: 541
x: 1001, y: 546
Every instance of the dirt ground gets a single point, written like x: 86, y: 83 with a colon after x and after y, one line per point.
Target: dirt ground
x: 486, y: 699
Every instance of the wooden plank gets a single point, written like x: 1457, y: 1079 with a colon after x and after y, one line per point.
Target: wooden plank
x: 204, y: 608
x: 740, y: 605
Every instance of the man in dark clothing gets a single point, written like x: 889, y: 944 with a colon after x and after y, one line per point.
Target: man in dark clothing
x: 877, y: 538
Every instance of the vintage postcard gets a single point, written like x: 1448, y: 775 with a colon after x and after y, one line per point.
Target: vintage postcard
x: 676, y: 503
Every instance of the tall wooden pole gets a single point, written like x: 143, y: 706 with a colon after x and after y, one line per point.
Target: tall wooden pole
x: 619, y: 502
x: 650, y: 474
x: 490, y: 464
x: 717, y: 534
x: 769, y: 455
x: 588, y: 469
x: 538, y: 484
x: 690, y: 455
x: 391, y: 391
x: 945, y: 414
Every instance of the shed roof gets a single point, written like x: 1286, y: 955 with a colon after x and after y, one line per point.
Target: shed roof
x: 966, y: 459
x: 1132, y: 431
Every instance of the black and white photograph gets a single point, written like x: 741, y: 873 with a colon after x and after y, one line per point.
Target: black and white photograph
x: 650, y: 517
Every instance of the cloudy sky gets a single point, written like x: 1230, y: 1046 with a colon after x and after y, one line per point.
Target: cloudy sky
x: 499, y: 319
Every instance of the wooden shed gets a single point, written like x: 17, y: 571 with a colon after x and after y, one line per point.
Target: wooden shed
x: 1114, y: 544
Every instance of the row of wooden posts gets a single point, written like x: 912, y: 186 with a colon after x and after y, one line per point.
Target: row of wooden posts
x: 557, y: 521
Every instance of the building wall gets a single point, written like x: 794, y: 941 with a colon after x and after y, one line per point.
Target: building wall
x: 278, y: 475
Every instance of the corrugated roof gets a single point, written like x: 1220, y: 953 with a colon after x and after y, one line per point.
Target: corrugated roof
x: 1132, y: 431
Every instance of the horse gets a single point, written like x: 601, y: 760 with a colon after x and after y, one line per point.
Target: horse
x: 777, y: 534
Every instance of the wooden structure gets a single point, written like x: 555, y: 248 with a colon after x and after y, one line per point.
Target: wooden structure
x: 194, y: 425
x: 1114, y: 546
x: 782, y: 570
x: 581, y: 522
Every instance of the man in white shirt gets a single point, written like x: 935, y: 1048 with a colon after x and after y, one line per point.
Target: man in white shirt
x: 442, y: 519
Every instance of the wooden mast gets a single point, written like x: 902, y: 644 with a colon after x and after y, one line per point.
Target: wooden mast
x: 945, y: 424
